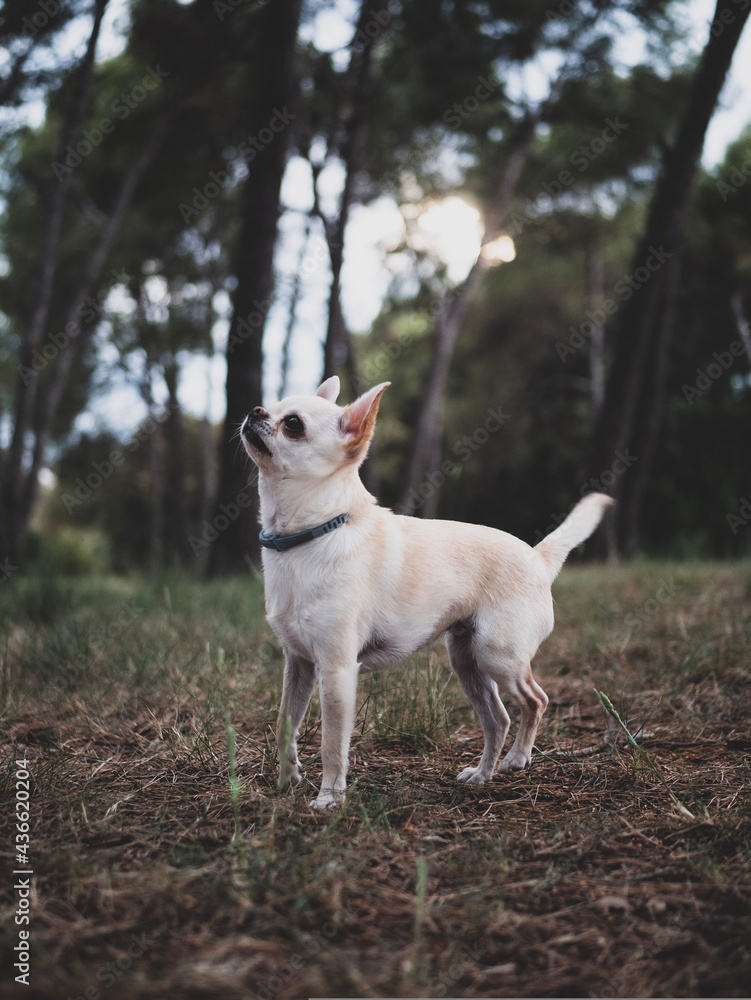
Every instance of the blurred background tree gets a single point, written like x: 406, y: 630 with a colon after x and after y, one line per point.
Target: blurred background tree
x: 208, y: 182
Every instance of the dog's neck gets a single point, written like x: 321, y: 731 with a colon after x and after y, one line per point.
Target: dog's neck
x: 287, y: 508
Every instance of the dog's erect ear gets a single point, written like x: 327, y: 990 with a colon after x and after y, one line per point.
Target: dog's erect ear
x: 329, y: 389
x: 358, y: 421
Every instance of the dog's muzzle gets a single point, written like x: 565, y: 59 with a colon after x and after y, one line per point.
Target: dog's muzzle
x: 255, y: 424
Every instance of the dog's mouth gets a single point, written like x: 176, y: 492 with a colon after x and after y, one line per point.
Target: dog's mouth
x: 254, y: 439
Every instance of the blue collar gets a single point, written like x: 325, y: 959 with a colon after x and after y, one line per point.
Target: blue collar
x: 282, y: 542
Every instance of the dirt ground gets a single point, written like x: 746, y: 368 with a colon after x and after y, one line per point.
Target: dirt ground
x: 606, y: 870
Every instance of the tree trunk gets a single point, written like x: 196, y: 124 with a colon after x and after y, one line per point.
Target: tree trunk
x: 597, y: 339
x: 426, y: 444
x: 741, y: 320
x: 13, y: 516
x: 294, y: 299
x: 208, y: 444
x: 237, y: 543
x: 11, y: 84
x: 59, y: 374
x: 176, y: 546
x: 338, y: 353
x: 156, y: 468
x: 641, y: 328
x: 649, y: 416
x: 156, y: 495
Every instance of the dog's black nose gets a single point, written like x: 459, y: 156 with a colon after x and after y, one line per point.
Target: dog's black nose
x: 259, y: 413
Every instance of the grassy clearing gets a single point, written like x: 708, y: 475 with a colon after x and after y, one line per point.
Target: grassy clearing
x: 607, y: 869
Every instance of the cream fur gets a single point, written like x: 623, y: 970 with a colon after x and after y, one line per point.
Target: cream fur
x: 383, y: 585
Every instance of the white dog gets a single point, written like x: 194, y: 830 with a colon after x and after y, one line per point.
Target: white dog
x: 352, y: 587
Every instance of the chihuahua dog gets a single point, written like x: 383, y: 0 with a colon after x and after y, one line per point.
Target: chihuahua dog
x: 352, y: 587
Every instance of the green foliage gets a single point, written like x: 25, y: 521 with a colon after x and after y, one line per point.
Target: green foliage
x: 424, y: 133
x: 102, y: 502
x: 409, y: 707
x: 42, y: 596
x: 515, y: 354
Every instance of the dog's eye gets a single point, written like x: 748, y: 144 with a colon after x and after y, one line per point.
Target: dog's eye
x: 294, y: 426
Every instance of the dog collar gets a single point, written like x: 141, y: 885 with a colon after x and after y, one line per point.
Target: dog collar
x: 282, y: 542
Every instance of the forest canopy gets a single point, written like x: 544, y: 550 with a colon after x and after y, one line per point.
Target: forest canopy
x: 499, y: 207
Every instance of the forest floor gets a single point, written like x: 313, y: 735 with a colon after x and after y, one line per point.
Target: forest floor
x: 166, y: 865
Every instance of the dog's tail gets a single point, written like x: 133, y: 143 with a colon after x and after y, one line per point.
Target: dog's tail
x: 576, y: 529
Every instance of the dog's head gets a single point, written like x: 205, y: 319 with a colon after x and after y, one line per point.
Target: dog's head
x: 310, y: 437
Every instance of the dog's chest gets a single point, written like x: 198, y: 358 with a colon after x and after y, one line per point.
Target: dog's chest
x: 298, y: 600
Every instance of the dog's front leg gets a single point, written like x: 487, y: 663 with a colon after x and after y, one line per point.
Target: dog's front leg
x: 297, y: 688
x: 338, y: 700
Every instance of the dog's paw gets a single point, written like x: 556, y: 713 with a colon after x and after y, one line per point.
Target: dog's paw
x: 472, y: 776
x: 291, y: 779
x: 514, y: 762
x: 327, y: 800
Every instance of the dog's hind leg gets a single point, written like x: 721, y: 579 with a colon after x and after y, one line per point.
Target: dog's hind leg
x: 482, y: 692
x: 513, y: 675
x: 532, y: 702
x: 297, y: 688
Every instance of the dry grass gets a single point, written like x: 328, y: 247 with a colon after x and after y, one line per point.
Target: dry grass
x: 604, y: 870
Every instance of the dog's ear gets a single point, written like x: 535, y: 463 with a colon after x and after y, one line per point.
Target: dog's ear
x: 329, y: 389
x: 357, y: 421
